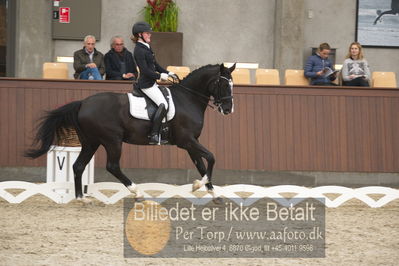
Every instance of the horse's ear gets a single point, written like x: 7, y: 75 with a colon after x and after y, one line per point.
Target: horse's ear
x: 222, y: 68
x: 232, y: 67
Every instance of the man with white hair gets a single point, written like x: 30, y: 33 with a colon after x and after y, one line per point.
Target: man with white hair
x: 119, y: 63
x: 88, y: 62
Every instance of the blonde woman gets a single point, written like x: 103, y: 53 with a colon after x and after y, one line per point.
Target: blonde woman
x: 355, y: 70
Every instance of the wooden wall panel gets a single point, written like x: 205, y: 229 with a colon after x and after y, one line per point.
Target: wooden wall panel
x: 4, y: 126
x: 272, y: 128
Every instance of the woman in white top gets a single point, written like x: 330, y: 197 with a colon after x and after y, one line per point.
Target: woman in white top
x: 355, y: 70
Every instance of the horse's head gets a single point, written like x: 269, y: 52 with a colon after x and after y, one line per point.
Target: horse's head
x: 211, y: 81
x: 223, y: 91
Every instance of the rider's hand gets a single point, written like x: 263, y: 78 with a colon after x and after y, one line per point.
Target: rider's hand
x: 173, y: 75
x: 129, y: 75
x: 164, y: 76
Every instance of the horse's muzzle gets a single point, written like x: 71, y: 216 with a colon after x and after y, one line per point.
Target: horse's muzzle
x: 224, y: 111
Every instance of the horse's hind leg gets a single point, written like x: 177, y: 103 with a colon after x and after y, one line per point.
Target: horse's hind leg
x: 114, y: 151
x: 79, y: 166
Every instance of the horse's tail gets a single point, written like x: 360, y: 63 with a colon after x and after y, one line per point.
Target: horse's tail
x: 63, y: 117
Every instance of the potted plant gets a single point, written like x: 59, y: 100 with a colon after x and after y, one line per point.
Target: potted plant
x: 166, y: 42
x: 162, y: 15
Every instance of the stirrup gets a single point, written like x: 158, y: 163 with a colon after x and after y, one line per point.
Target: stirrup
x: 156, y: 140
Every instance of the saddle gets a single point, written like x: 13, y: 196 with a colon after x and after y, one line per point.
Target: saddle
x: 142, y: 107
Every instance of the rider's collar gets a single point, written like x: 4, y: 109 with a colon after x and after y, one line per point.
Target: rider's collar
x: 146, y: 44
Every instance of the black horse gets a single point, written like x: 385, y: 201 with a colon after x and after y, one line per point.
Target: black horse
x: 104, y: 119
x: 394, y: 10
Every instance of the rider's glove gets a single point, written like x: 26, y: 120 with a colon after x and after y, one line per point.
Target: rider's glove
x: 164, y: 76
x: 173, y: 75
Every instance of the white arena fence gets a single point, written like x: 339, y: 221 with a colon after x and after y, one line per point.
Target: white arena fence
x: 59, y: 187
x: 63, y: 192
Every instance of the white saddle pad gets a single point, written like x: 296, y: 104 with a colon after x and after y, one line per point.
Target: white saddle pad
x: 138, y: 107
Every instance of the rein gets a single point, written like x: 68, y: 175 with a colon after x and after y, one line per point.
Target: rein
x: 216, y: 100
x: 205, y: 98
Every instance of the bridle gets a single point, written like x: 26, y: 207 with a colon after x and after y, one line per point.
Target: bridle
x: 217, y: 98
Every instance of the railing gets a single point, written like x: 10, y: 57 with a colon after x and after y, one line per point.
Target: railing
x: 342, y: 194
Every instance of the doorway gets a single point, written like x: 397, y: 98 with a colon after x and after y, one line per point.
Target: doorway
x: 3, y: 37
x: 7, y: 37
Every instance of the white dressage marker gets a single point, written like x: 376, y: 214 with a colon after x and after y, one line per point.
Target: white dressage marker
x: 60, y: 167
x: 184, y: 191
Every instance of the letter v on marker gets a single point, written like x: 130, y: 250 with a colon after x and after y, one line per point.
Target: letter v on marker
x: 61, y: 164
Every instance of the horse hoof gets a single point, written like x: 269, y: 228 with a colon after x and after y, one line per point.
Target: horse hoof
x: 136, y: 193
x: 139, y: 199
x: 196, y: 185
x: 218, y: 200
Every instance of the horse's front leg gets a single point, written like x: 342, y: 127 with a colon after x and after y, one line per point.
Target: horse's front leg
x: 199, y: 164
x: 197, y: 153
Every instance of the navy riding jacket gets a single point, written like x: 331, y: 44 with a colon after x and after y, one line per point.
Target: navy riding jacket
x: 149, y: 68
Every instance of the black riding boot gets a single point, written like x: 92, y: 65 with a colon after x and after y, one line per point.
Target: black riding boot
x: 155, y: 137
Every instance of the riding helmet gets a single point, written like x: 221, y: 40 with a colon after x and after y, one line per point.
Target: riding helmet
x: 140, y: 27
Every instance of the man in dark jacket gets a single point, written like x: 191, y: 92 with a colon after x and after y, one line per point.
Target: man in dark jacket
x: 119, y: 63
x: 88, y: 62
x: 319, y: 68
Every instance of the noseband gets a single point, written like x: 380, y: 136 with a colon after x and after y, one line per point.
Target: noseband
x: 217, y: 98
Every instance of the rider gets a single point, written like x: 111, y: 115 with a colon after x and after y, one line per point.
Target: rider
x: 150, y: 71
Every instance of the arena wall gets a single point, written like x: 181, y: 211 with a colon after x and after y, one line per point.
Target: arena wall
x: 284, y: 128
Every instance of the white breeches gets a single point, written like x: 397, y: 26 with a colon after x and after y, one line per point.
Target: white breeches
x: 156, y: 95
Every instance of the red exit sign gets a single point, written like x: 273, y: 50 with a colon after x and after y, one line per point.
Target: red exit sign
x: 65, y: 15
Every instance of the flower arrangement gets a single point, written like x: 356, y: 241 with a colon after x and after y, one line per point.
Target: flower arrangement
x: 162, y: 15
